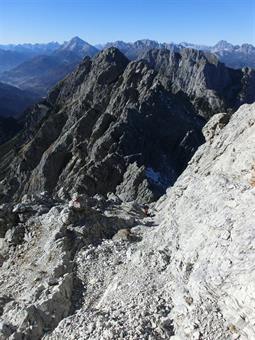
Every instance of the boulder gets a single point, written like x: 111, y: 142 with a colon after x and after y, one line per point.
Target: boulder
x: 215, y: 125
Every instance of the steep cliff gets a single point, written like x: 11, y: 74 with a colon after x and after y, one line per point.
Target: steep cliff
x: 209, y: 84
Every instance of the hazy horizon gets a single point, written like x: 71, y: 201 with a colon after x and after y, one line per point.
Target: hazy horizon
x: 202, y: 22
x: 109, y: 41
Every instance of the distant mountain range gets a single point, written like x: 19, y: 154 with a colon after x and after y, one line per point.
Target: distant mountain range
x: 32, y: 48
x: 41, y: 72
x: 38, y: 67
x: 233, y: 56
x: 10, y: 59
x: 13, y: 55
x: 136, y: 50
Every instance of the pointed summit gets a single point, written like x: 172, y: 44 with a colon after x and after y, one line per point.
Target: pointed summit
x: 79, y: 47
x: 77, y: 39
x: 113, y: 54
x: 223, y: 45
x: 109, y: 64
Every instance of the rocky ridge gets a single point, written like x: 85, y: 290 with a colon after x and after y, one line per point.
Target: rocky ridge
x: 210, y: 85
x: 98, y: 268
x: 119, y: 126
x: 111, y: 122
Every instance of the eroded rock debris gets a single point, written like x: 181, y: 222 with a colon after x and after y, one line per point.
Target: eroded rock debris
x: 95, y: 267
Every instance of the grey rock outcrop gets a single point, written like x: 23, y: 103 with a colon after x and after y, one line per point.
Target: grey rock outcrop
x: 215, y: 125
x: 210, y: 85
x: 81, y: 256
x: 191, y: 277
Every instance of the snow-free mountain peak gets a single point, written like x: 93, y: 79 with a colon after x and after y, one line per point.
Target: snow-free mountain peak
x: 223, y: 45
x: 79, y: 47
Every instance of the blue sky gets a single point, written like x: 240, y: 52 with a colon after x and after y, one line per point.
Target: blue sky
x: 99, y: 21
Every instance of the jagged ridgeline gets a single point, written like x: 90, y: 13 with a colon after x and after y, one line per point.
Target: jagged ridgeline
x: 119, y: 126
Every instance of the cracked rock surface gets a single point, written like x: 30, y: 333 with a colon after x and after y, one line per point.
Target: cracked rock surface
x: 39, y: 270
x: 192, y: 276
x: 97, y: 268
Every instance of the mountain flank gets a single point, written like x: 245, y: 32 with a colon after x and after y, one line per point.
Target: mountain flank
x: 118, y: 126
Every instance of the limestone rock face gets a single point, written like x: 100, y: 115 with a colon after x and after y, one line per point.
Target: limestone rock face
x: 212, y: 261
x: 209, y: 84
x: 192, y: 276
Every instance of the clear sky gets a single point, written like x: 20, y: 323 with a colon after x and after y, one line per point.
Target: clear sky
x: 99, y: 21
